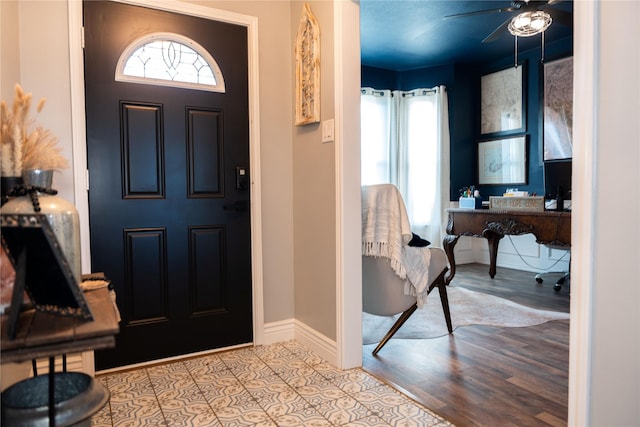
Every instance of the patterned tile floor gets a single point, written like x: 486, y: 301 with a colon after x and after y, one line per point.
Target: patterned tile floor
x: 281, y: 384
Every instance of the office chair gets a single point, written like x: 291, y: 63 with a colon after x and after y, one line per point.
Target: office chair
x: 565, y: 279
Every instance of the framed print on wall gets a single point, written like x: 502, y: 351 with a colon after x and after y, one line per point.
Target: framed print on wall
x: 558, y: 109
x: 503, y: 161
x: 502, y: 102
x: 307, y: 52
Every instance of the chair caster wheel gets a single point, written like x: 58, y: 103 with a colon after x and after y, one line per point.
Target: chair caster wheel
x: 539, y: 279
x: 557, y: 287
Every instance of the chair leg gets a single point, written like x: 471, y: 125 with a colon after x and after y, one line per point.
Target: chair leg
x: 403, y: 318
x: 444, y: 299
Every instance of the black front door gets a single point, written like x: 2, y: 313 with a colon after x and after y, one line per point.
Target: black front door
x: 168, y: 200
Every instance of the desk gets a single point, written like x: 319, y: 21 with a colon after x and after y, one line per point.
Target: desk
x: 549, y: 228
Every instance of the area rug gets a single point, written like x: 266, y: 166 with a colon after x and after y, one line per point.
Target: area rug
x: 467, y: 308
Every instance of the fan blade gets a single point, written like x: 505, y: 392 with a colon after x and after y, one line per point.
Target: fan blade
x: 536, y: 5
x: 495, y: 35
x: 481, y: 12
x: 561, y: 16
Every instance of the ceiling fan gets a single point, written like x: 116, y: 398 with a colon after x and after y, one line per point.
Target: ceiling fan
x: 520, y: 6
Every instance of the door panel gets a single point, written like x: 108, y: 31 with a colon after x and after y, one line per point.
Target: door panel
x: 143, y: 160
x: 205, y: 246
x: 162, y: 172
x: 204, y: 143
x: 145, y: 260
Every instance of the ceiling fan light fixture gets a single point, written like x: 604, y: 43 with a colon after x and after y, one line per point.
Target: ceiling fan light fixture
x: 527, y: 24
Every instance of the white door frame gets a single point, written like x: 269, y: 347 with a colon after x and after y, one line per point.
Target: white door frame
x: 585, y: 130
x: 79, y: 140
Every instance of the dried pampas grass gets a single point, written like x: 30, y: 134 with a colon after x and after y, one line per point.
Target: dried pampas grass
x: 41, y: 151
x: 22, y: 147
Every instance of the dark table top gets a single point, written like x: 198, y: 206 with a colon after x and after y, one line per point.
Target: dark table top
x: 40, y: 334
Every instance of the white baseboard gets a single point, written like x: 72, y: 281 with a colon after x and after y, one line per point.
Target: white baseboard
x: 14, y: 372
x: 464, y: 250
x: 516, y: 252
x: 280, y: 331
x: 317, y: 342
x: 286, y: 330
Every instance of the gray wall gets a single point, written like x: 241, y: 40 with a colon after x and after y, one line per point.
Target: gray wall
x: 314, y: 193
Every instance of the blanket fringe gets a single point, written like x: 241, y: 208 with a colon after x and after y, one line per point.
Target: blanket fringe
x: 382, y: 250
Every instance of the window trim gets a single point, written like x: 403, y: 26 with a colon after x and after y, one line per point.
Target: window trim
x: 177, y: 38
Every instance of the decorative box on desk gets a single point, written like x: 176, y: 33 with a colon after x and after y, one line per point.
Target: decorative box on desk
x: 470, y: 203
x: 517, y: 203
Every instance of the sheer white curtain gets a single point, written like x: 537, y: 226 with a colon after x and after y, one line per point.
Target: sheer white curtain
x: 405, y: 141
x: 379, y: 137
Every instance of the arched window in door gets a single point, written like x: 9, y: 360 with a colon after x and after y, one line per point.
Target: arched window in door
x: 168, y: 59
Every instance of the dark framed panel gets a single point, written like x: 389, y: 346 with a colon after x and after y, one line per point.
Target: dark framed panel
x: 503, y: 102
x: 41, y: 269
x: 503, y: 161
x: 558, y: 109
x: 557, y: 179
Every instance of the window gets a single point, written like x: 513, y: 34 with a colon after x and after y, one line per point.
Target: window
x: 167, y: 59
x: 377, y: 156
x: 405, y: 142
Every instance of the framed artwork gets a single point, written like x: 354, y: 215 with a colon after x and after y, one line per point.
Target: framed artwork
x: 502, y: 108
x: 558, y: 109
x: 40, y: 268
x: 503, y: 161
x: 307, y: 69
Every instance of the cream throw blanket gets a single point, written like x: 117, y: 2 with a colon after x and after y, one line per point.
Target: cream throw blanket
x: 386, y: 232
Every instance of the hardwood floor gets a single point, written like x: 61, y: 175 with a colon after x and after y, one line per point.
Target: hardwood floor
x: 488, y: 376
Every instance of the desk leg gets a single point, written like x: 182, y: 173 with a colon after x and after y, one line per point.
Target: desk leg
x: 448, y: 243
x: 493, y: 239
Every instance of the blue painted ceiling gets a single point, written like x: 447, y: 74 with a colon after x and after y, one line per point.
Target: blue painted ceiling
x: 401, y: 35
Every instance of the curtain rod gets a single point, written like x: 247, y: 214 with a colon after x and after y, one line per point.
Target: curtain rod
x: 420, y: 92
x: 373, y: 91
x: 404, y: 94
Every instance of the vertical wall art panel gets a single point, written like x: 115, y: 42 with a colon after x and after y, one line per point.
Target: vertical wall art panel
x: 558, y: 109
x: 308, y: 69
x: 204, y: 143
x: 142, y: 151
x: 502, y: 102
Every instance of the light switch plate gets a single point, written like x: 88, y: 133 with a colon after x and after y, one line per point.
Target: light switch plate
x: 327, y: 130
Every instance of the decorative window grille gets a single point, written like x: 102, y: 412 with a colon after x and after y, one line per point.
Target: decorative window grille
x: 167, y: 59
